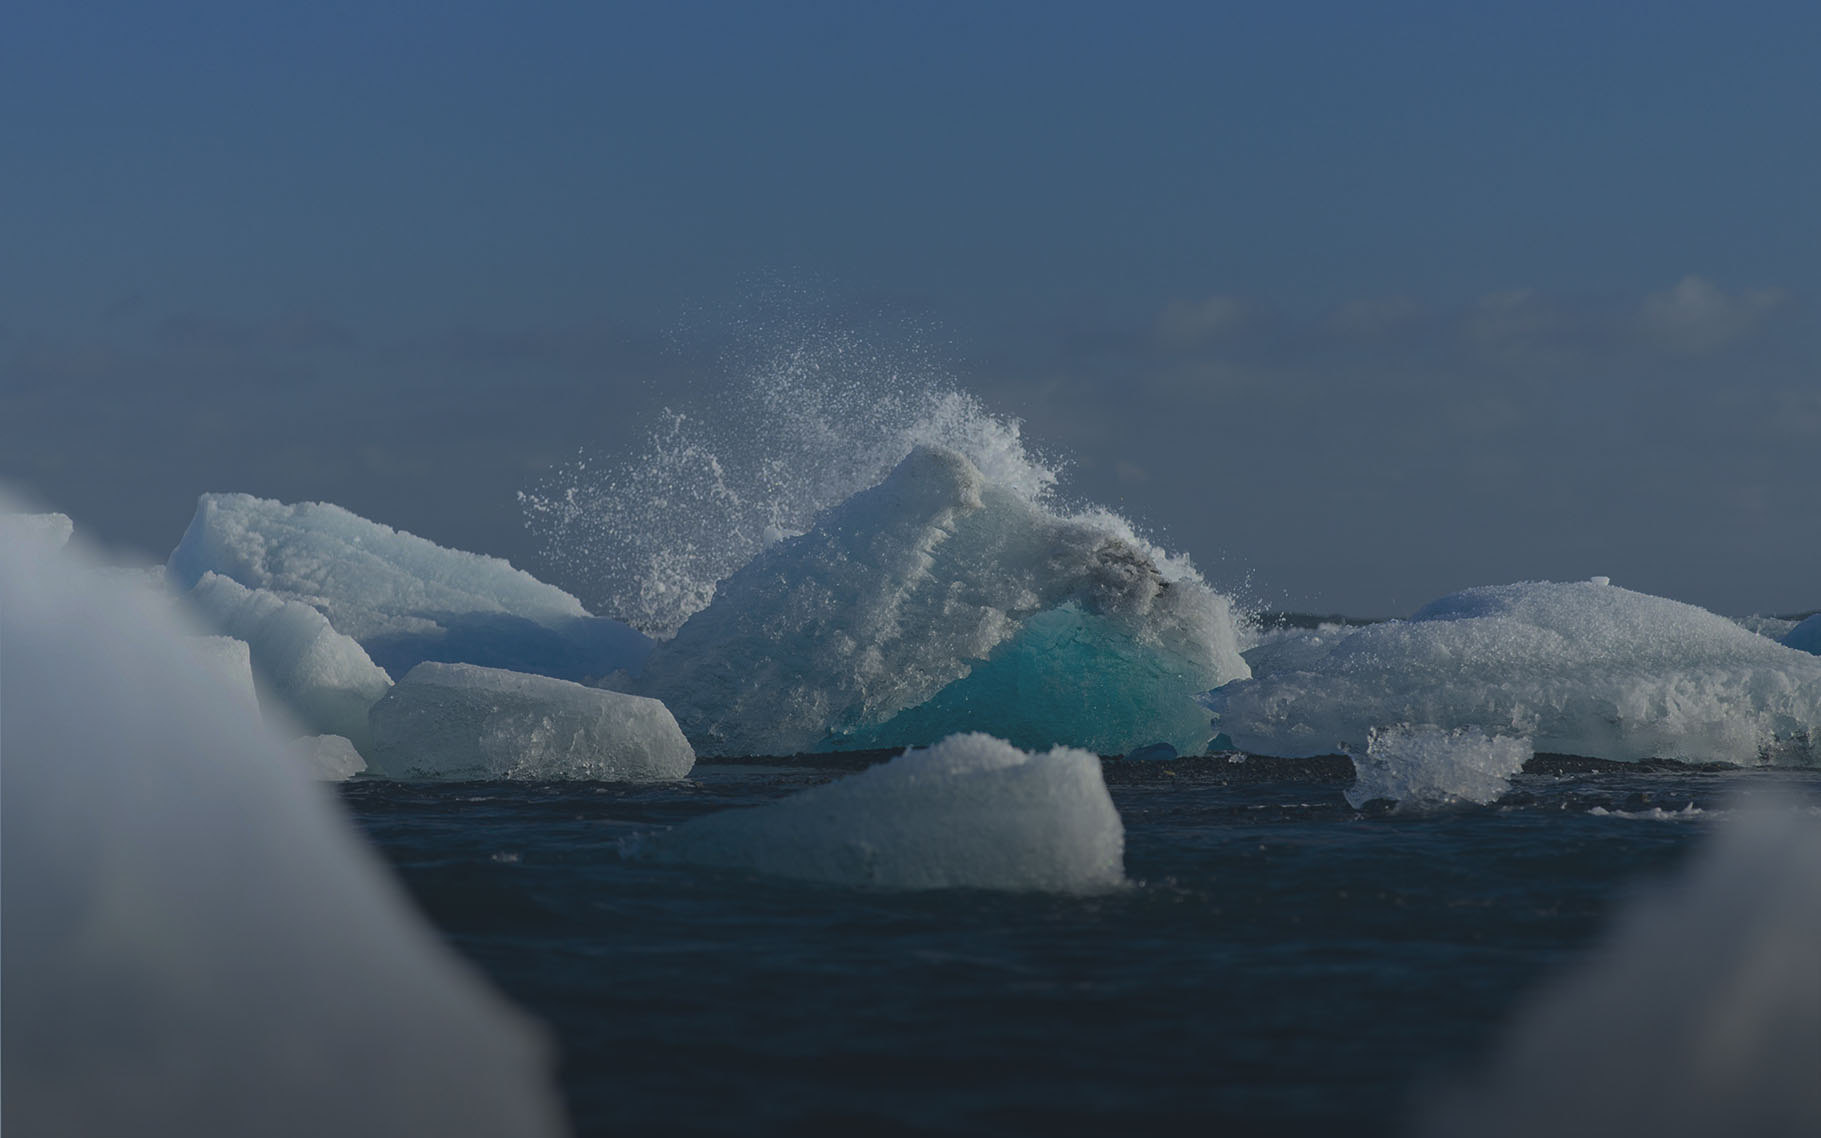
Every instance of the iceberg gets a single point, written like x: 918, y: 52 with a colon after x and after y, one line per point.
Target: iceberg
x: 197, y: 940
x: 403, y: 598
x: 1806, y: 636
x: 971, y: 812
x: 1700, y: 1013
x: 1581, y: 668
x: 464, y: 721
x: 940, y: 601
x: 1426, y: 768
x: 325, y: 679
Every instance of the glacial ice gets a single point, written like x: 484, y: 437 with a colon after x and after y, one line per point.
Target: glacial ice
x: 940, y: 601
x: 1425, y: 768
x: 328, y: 758
x: 1580, y: 668
x: 404, y: 599
x: 1806, y: 637
x: 324, y: 678
x: 970, y: 812
x: 197, y: 941
x: 1699, y: 1014
x: 464, y: 721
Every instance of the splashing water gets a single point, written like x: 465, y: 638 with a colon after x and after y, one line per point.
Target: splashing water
x: 803, y: 427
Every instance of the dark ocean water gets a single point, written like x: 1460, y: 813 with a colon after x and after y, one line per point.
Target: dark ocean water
x: 1283, y: 963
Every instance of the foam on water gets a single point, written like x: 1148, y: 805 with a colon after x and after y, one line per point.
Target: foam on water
x: 970, y: 812
x: 1426, y: 767
x: 197, y: 942
x: 1582, y: 668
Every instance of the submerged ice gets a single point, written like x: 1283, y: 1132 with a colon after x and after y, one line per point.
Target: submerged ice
x: 969, y: 812
x: 940, y: 601
x: 1581, y: 668
x: 403, y: 598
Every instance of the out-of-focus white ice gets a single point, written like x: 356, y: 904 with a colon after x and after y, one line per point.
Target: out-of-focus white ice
x: 53, y: 530
x: 1805, y: 637
x: 325, y: 679
x: 403, y: 598
x: 1424, y: 768
x: 1580, y: 668
x: 227, y: 661
x: 197, y: 941
x: 941, y: 601
x: 1699, y: 1014
x: 970, y: 812
x: 463, y: 721
x: 328, y: 758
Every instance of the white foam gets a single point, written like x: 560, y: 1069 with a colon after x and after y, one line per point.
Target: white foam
x: 1699, y: 1014
x: 939, y: 601
x: 463, y: 721
x: 970, y: 812
x: 1580, y: 668
x: 1806, y: 636
x: 325, y: 679
x: 197, y: 941
x: 403, y: 598
x: 1426, y: 767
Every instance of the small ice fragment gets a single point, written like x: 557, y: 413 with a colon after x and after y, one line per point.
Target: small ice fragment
x: 1600, y: 580
x: 1425, y: 767
x: 970, y: 812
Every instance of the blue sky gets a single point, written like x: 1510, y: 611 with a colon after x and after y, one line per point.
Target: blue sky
x: 1358, y: 303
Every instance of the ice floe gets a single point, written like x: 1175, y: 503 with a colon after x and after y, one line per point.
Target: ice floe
x: 464, y: 721
x: 1580, y: 668
x: 971, y: 811
x: 323, y: 678
x: 403, y: 598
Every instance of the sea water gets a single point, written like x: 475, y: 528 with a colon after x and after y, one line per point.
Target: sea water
x: 1280, y: 963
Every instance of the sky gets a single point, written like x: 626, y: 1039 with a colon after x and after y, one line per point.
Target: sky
x: 1356, y: 304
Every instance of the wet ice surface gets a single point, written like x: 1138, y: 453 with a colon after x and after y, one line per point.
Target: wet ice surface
x: 1286, y: 962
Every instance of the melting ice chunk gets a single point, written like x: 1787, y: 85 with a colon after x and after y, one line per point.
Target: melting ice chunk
x: 940, y: 601
x: 403, y: 598
x: 463, y: 721
x: 52, y: 530
x: 197, y: 943
x: 227, y: 661
x: 1582, y: 669
x: 1425, y: 767
x: 971, y: 811
x: 324, y: 678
